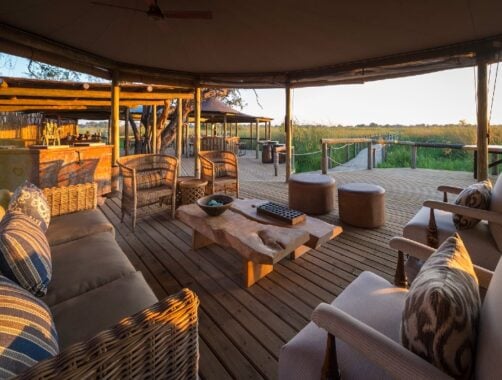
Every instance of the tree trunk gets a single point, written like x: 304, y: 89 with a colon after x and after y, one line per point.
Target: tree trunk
x: 169, y: 132
x: 137, y: 136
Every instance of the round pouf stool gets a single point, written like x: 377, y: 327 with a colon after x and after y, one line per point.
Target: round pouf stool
x: 312, y: 193
x: 362, y: 205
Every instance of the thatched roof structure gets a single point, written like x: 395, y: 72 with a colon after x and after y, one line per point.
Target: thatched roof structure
x: 254, y: 44
x: 216, y: 111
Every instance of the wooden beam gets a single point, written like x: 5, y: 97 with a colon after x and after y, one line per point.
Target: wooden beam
x: 76, y: 102
x: 482, y: 138
x: 90, y: 94
x: 40, y: 108
x: 196, y: 142
x: 154, y: 131
x: 179, y: 134
x: 289, y: 134
x: 115, y: 112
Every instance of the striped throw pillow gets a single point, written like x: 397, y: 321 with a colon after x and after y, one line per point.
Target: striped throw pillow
x: 27, y: 331
x: 25, y: 256
x: 441, y: 313
x: 30, y: 200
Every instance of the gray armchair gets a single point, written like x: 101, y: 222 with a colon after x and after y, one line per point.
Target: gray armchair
x: 358, y: 333
x: 433, y: 224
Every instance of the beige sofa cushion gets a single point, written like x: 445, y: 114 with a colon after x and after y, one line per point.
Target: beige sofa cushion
x: 303, y: 356
x: 82, y: 317
x: 496, y: 205
x: 75, y: 226
x: 489, y: 350
x: 85, y: 264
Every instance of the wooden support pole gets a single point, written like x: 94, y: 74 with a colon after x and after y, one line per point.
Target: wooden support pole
x: 224, y: 132
x: 251, y: 135
x: 187, y: 143
x: 196, y: 142
x: 115, y: 118
x: 414, y: 150
x: 324, y: 158
x: 482, y: 141
x: 289, y: 132
x: 370, y: 155
x: 154, y: 131
x: 126, y: 132
x: 257, y: 139
x: 179, y: 133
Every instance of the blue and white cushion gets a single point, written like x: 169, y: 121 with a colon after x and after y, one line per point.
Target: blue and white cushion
x: 30, y: 200
x: 27, y: 331
x: 25, y: 255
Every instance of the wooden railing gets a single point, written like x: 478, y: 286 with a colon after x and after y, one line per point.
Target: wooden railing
x: 494, y: 150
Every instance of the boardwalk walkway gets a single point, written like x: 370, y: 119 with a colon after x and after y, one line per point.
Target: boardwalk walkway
x: 242, y: 330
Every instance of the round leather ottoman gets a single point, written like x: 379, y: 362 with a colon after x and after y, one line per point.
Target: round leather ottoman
x: 312, y: 193
x: 362, y: 205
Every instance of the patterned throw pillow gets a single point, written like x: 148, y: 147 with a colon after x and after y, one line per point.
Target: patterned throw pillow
x: 476, y: 196
x: 25, y: 256
x: 27, y: 331
x: 30, y: 200
x: 148, y: 179
x: 441, y: 313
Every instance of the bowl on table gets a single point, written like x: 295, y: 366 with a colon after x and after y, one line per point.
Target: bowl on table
x: 215, y: 204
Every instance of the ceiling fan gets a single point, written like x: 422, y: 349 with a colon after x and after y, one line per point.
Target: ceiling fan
x: 156, y: 13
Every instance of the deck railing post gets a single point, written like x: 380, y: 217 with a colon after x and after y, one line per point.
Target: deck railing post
x: 495, y: 170
x: 414, y: 156
x: 276, y: 162
x: 324, y: 158
x: 374, y: 157
x: 370, y: 155
x: 293, y: 160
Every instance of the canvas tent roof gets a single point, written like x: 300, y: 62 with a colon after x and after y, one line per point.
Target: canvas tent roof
x: 258, y: 43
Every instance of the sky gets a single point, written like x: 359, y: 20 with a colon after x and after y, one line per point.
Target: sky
x: 439, y: 98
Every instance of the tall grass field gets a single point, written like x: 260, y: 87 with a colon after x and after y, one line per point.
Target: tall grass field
x: 306, y: 139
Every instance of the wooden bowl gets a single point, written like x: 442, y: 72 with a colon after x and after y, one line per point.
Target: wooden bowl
x: 215, y: 210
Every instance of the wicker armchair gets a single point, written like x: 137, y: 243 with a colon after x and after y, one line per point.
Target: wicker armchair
x: 221, y: 171
x: 160, y: 342
x: 147, y: 179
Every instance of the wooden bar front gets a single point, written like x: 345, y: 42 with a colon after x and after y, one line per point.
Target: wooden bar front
x: 57, y: 167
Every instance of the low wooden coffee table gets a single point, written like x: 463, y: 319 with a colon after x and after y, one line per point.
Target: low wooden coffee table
x: 259, y: 243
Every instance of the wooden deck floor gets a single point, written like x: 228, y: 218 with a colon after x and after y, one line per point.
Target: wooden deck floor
x: 242, y: 330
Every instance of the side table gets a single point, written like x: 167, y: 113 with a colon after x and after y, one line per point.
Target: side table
x: 179, y: 180
x: 191, y: 190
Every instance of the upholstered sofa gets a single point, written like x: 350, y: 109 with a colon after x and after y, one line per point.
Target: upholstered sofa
x: 109, y: 322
